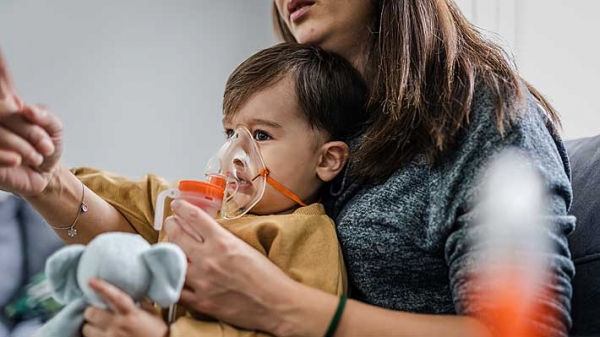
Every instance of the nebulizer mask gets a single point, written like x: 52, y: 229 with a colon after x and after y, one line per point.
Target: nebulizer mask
x: 236, y: 181
x: 246, y: 176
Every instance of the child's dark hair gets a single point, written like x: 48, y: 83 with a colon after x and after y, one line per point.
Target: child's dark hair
x: 330, y: 91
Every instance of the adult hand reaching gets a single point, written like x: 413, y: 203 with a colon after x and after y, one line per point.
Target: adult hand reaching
x: 227, y: 278
x: 9, y: 99
x: 30, y: 141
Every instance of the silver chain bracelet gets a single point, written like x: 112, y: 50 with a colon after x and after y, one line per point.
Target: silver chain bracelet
x: 72, y: 232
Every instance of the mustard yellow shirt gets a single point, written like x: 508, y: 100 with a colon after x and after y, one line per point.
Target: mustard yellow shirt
x: 303, y: 244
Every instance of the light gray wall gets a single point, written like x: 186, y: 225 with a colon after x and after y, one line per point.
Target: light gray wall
x: 138, y: 83
x: 556, y: 48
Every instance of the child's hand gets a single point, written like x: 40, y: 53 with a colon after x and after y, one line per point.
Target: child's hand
x: 126, y: 319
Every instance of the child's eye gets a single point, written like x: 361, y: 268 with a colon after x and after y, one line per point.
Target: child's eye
x: 261, y: 136
x: 228, y: 133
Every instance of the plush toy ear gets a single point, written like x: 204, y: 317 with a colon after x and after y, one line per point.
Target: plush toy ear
x: 61, y: 270
x: 167, y: 264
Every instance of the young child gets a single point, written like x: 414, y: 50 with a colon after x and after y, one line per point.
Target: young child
x: 300, y: 105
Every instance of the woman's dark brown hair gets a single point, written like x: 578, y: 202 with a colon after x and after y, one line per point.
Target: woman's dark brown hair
x: 423, y: 62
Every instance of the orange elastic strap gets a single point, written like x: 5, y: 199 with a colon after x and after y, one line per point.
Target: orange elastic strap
x: 281, y: 188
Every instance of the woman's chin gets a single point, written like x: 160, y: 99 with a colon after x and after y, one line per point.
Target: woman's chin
x: 308, y: 34
x: 322, y: 41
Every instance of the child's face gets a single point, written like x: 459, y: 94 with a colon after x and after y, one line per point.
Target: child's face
x: 287, y: 143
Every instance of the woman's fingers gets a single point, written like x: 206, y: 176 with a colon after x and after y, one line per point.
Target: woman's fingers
x: 179, y: 235
x: 33, y: 133
x: 10, y: 105
x: 116, y: 299
x: 9, y: 158
x: 40, y: 115
x: 13, y: 142
x: 187, y: 297
x: 6, y: 83
x: 198, y: 220
x: 23, y: 141
x: 8, y: 93
x: 10, y: 102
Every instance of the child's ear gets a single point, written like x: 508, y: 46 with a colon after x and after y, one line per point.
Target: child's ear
x: 333, y: 158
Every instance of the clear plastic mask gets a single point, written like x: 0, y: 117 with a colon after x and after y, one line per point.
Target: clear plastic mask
x: 240, y: 163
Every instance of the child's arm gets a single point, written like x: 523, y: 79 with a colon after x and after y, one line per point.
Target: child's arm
x: 60, y: 205
x: 134, y: 199
x: 125, y: 319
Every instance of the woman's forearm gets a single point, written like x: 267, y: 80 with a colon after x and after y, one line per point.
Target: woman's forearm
x: 361, y: 319
x: 310, y: 311
x: 59, y: 204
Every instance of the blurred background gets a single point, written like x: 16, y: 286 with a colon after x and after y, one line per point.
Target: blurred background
x: 138, y: 83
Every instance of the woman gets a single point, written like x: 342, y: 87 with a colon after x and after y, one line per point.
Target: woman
x: 448, y: 100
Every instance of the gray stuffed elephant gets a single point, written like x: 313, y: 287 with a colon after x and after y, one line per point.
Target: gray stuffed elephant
x: 124, y: 260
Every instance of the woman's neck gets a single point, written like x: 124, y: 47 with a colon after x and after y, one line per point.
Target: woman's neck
x: 356, y: 55
x: 359, y: 62
x: 351, y: 47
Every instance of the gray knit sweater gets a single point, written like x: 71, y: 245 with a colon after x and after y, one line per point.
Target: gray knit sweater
x: 406, y: 241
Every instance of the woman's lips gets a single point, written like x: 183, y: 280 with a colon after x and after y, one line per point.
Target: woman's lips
x: 298, y: 14
x: 298, y: 9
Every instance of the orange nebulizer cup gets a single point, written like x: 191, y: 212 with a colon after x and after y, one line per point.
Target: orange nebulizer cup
x: 206, y: 195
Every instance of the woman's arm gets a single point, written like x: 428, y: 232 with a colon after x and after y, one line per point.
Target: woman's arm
x: 359, y: 319
x: 233, y: 282
x: 540, y: 149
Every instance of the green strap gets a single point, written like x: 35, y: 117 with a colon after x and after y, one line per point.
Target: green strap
x: 336, y: 317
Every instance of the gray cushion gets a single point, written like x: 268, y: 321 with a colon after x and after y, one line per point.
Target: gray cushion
x: 11, y: 249
x: 25, y: 243
x: 39, y: 239
x: 584, y: 242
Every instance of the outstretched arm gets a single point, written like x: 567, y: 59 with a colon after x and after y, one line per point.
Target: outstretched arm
x: 59, y: 204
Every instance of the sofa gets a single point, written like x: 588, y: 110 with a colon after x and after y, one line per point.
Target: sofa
x: 584, y: 242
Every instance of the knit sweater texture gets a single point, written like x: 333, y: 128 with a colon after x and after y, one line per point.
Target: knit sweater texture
x: 408, y: 243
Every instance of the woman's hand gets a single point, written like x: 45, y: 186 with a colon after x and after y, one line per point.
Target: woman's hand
x: 227, y: 278
x: 9, y: 99
x: 125, y: 319
x: 30, y: 141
